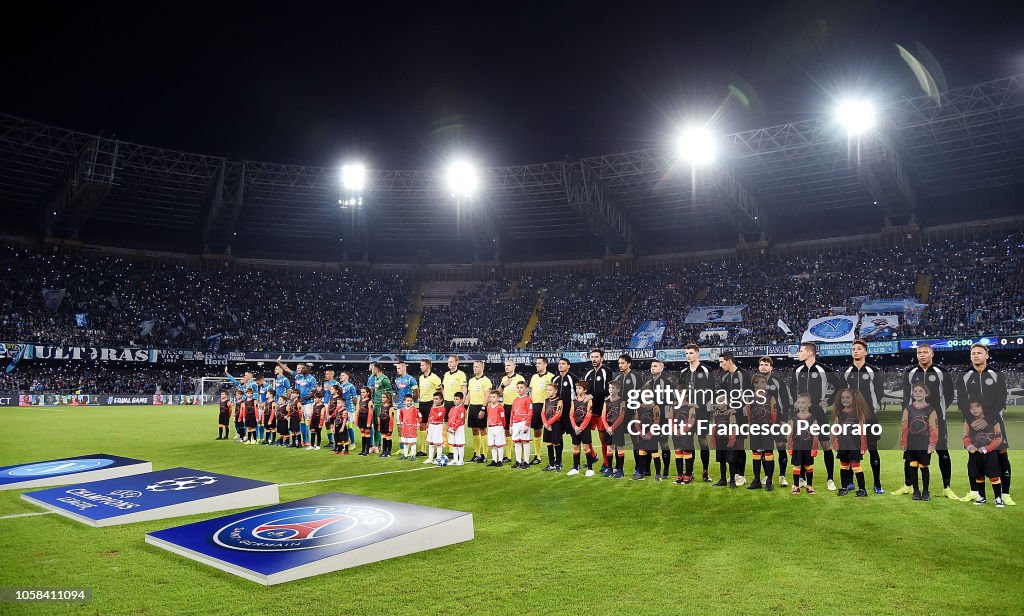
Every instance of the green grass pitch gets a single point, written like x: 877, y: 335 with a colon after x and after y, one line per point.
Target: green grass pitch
x: 544, y: 543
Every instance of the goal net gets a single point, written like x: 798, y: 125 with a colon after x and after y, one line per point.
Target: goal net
x: 209, y: 387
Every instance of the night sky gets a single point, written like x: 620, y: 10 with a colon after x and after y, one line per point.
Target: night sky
x: 406, y: 86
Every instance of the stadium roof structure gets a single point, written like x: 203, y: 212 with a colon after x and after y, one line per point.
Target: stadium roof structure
x: 769, y: 182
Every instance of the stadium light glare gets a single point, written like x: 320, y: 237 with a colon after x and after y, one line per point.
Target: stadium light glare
x: 353, y: 176
x: 462, y: 179
x: 856, y: 116
x: 697, y: 146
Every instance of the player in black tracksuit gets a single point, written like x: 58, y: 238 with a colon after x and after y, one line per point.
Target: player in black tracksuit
x: 733, y: 383
x: 867, y: 379
x: 983, y: 383
x: 778, y: 389
x: 820, y: 382
x: 696, y: 376
x: 629, y: 380
x: 941, y: 388
x: 654, y: 414
x: 565, y: 388
x: 597, y: 379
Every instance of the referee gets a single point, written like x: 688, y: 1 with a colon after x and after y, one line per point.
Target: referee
x: 428, y: 385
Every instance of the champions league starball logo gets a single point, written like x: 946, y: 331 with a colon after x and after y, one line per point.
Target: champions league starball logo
x: 832, y: 329
x: 303, y: 528
x: 126, y: 493
x: 181, y: 483
x: 57, y: 467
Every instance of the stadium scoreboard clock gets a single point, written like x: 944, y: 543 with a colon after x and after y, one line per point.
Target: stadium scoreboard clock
x: 963, y: 344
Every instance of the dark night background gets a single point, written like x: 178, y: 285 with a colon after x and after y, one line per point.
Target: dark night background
x: 404, y: 85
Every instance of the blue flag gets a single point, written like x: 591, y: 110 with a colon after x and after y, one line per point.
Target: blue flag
x: 17, y: 357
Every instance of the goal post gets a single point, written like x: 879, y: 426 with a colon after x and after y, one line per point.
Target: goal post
x: 209, y: 387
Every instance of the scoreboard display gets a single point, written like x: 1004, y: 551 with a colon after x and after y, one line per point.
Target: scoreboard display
x: 993, y: 341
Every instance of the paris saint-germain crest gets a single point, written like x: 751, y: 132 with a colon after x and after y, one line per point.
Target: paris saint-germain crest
x: 303, y: 528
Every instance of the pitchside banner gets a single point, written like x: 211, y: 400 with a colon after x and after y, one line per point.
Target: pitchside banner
x: 715, y: 314
x: 677, y: 355
x: 63, y: 471
x: 97, y: 400
x: 842, y: 349
x: 831, y: 329
x: 314, y: 535
x: 761, y: 350
x: 153, y: 496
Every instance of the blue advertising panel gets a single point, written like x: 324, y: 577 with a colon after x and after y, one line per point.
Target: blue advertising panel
x: 76, y: 469
x: 314, y: 535
x: 839, y: 349
x: 992, y: 341
x: 152, y: 496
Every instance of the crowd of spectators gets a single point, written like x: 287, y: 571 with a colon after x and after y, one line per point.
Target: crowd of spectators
x: 252, y: 310
x: 106, y: 377
x: 494, y: 313
x: 976, y: 287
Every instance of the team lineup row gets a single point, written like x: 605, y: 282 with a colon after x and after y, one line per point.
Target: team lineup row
x: 517, y: 416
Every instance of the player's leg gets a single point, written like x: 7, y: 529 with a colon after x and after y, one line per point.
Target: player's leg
x: 666, y: 456
x: 549, y: 442
x: 874, y: 459
x: 680, y: 462
x: 537, y: 425
x: 421, y: 433
x: 768, y: 462
x: 619, y: 440
x: 1005, y: 476
x: 723, y: 466
x: 945, y: 463
x: 756, y: 455
x: 845, y: 473
x: 705, y: 457
x: 826, y: 448
x: 858, y: 472
x: 915, y: 480
x: 783, y: 459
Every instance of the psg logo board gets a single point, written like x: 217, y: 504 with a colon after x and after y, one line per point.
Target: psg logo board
x: 153, y: 496
x: 64, y: 471
x: 314, y: 535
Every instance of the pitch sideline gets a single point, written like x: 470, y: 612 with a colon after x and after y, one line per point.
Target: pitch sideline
x: 280, y: 485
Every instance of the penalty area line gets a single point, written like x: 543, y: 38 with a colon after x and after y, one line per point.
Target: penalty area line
x: 302, y: 483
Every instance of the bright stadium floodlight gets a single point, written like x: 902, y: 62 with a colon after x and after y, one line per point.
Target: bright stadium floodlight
x: 856, y: 116
x: 353, y: 177
x: 462, y: 179
x: 697, y: 146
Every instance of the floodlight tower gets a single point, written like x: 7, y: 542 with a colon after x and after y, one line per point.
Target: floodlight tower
x: 353, y: 213
x: 857, y: 117
x: 697, y: 146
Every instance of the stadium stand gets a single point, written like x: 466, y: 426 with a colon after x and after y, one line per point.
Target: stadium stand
x: 976, y: 286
